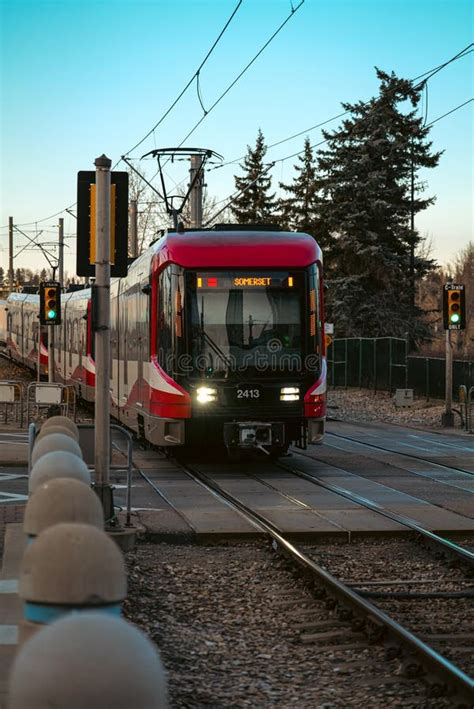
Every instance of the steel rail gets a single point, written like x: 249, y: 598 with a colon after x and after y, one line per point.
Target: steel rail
x: 438, y: 665
x: 401, y: 453
x: 456, y: 551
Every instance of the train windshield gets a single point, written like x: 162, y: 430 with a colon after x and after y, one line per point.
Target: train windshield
x: 245, y: 321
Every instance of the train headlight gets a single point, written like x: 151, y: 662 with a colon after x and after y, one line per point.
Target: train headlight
x: 289, y: 394
x: 206, y: 394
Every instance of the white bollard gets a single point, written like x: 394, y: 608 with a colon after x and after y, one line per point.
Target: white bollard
x: 88, y: 660
x: 70, y: 567
x: 56, y: 429
x: 58, y: 464
x: 62, y: 421
x: 61, y: 500
x: 55, y: 442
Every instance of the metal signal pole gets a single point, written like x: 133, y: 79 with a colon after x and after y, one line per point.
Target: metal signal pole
x: 196, y: 192
x: 102, y: 337
x: 61, y: 252
x: 133, y: 228
x: 10, y: 253
x: 51, y: 354
x: 447, y: 418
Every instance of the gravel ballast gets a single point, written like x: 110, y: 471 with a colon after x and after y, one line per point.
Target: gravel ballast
x: 227, y: 621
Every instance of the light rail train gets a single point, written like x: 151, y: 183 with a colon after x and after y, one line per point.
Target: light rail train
x: 216, y: 336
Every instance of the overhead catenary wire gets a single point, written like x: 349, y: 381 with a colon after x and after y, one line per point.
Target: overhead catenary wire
x: 241, y: 74
x: 428, y: 74
x: 194, y: 76
x: 461, y: 105
x: 231, y: 198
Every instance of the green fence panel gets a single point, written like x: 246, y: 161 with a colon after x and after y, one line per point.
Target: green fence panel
x: 382, y: 364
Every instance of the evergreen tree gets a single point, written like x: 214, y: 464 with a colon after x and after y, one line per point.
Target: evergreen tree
x: 2, y: 275
x: 299, y: 211
x: 20, y: 276
x: 254, y: 205
x: 365, y: 210
x: 43, y: 275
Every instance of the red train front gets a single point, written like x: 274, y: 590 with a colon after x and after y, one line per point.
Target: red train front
x: 236, y: 340
x: 217, y: 337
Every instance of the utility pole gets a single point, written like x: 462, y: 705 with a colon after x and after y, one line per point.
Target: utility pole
x: 10, y: 253
x: 412, y: 240
x: 133, y: 248
x: 196, y: 191
x: 447, y: 418
x: 51, y: 354
x: 61, y: 252
x: 102, y: 337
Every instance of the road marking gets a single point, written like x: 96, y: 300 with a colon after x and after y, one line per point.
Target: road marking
x: 446, y: 445
x: 8, y: 635
x: 9, y: 586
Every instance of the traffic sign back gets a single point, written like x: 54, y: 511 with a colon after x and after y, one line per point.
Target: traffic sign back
x: 86, y: 231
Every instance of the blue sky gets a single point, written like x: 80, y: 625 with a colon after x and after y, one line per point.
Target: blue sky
x: 83, y: 78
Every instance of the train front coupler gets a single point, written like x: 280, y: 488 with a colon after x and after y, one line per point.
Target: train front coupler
x: 254, y: 435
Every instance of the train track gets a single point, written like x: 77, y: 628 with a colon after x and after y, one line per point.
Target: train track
x: 351, y: 606
x: 402, y: 454
x: 445, y: 546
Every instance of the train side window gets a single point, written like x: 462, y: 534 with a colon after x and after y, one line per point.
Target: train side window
x: 69, y: 341
x: 34, y: 335
x: 125, y: 309
x: 315, y: 311
x: 165, y: 316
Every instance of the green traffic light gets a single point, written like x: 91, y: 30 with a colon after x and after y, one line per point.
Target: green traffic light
x: 455, y: 318
x: 51, y: 314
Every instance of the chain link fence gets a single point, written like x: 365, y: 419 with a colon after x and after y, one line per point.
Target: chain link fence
x: 383, y: 364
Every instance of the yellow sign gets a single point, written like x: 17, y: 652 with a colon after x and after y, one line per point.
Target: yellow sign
x: 261, y: 281
x: 328, y: 340
x: 92, y: 224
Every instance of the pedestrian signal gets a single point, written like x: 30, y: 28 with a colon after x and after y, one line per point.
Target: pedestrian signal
x: 50, y: 303
x: 454, y: 306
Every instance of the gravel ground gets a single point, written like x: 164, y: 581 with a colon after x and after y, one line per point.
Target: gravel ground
x: 227, y: 623
x: 366, y: 405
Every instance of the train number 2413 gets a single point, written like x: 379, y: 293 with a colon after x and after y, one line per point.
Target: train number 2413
x: 248, y: 393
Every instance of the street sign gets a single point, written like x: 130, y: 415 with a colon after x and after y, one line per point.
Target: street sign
x: 328, y: 340
x: 86, y: 227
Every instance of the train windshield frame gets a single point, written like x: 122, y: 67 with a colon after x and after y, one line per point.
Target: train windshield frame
x: 245, y: 321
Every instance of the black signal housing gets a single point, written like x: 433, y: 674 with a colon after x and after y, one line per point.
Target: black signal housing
x: 50, y: 303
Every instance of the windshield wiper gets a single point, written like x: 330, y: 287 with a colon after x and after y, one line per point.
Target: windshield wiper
x: 217, y: 350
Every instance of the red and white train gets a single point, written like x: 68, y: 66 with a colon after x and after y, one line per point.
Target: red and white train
x: 217, y: 336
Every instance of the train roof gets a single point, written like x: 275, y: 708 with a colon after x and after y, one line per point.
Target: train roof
x: 241, y: 248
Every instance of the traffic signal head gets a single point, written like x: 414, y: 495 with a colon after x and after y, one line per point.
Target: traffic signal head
x: 50, y: 303
x: 454, y: 312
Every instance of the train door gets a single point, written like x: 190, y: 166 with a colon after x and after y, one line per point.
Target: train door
x: 9, y: 331
x: 21, y: 334
x: 123, y: 335
x: 115, y: 353
x: 140, y: 340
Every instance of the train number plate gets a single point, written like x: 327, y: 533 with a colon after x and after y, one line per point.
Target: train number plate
x: 247, y: 393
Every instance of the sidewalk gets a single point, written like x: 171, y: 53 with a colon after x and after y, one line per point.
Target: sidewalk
x: 10, y: 604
